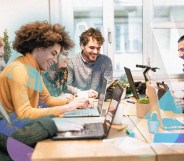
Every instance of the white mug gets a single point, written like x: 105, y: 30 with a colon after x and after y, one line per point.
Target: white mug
x: 118, y: 118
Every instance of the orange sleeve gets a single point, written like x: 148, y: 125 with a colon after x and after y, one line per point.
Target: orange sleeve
x: 21, y: 95
x: 50, y: 101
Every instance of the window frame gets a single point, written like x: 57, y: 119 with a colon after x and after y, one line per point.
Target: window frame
x: 108, y: 28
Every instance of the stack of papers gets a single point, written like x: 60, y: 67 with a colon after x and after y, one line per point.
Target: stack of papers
x: 128, y: 144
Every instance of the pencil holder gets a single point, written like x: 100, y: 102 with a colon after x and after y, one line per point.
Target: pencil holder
x: 142, y: 109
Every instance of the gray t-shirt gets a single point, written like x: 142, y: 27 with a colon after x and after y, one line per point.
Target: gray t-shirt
x: 84, y: 76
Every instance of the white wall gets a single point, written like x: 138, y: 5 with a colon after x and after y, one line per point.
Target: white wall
x: 15, y: 13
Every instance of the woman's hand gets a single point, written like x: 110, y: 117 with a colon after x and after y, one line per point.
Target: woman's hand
x: 80, y: 103
x: 67, y: 96
x: 77, y: 103
x: 87, y: 94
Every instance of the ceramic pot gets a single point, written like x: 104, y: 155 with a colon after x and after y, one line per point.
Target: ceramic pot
x: 142, y: 109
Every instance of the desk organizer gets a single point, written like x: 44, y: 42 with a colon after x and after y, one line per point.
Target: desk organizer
x: 142, y: 109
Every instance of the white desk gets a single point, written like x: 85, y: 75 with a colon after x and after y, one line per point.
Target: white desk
x: 103, y: 150
x: 164, y: 152
x: 88, y: 150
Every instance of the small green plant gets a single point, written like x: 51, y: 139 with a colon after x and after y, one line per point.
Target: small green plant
x: 120, y: 82
x: 144, y: 100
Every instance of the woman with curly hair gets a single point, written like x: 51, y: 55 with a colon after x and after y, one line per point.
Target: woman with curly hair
x: 22, y: 87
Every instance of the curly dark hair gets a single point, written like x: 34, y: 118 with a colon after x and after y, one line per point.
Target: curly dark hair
x: 94, y: 34
x: 41, y: 34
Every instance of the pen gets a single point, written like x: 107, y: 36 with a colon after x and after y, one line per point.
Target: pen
x: 130, y: 132
x: 130, y: 102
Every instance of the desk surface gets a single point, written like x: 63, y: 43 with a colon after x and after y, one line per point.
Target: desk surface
x: 169, y: 152
x: 101, y: 150
x: 98, y: 150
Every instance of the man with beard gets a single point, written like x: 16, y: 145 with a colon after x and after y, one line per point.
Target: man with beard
x: 87, y: 69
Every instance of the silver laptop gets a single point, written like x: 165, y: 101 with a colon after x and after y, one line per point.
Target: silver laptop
x: 95, y: 130
x: 165, y: 123
x: 91, y: 112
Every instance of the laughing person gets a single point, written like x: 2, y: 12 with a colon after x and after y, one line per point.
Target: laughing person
x: 87, y: 70
x: 22, y: 87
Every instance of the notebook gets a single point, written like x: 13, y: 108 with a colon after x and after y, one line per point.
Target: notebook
x: 169, y: 138
x: 165, y: 123
x: 91, y: 112
x: 96, y: 130
x: 132, y: 85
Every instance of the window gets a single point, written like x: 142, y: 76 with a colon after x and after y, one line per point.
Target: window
x: 23, y: 12
x: 86, y: 14
x: 128, y: 21
x: 167, y: 28
x: 136, y: 31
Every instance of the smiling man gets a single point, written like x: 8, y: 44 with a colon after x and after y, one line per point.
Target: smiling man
x: 22, y: 87
x: 87, y: 69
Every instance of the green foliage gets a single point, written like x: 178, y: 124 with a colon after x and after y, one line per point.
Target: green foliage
x: 120, y: 82
x: 144, y: 100
x: 7, y: 48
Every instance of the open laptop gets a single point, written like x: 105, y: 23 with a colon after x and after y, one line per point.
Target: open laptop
x: 132, y: 84
x: 165, y: 123
x: 93, y: 112
x: 96, y: 130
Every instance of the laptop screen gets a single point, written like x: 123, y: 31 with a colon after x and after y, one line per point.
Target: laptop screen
x: 102, y: 95
x: 131, y: 82
x: 116, y: 98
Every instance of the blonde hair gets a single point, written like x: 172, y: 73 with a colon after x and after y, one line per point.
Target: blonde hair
x: 2, y: 42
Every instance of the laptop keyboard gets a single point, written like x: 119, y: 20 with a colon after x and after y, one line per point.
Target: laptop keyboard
x: 172, y: 124
x: 84, y: 112
x: 89, y: 129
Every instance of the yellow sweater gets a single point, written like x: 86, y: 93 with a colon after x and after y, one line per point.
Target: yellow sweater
x: 21, y: 87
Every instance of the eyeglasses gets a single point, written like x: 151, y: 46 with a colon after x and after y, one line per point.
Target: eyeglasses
x: 181, y: 50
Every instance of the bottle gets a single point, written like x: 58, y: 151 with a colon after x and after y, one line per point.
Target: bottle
x: 153, y: 123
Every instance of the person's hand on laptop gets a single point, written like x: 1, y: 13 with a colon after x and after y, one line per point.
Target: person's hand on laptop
x: 79, y: 103
x: 88, y: 102
x: 76, y: 103
x: 68, y: 96
x: 92, y: 93
x: 69, y: 126
x: 87, y: 94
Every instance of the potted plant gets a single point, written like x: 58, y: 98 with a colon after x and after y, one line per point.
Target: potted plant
x: 142, y: 107
x: 112, y: 86
x: 7, y: 48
